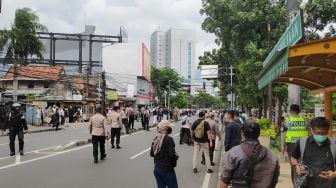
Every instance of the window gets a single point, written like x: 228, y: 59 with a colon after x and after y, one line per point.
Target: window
x: 30, y: 85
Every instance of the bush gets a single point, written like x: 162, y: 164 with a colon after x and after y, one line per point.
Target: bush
x: 264, y: 123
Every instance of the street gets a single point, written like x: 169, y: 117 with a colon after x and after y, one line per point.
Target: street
x: 45, y: 166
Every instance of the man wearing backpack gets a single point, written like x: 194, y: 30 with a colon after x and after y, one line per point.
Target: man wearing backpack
x: 250, y: 165
x: 316, y: 152
x: 200, y: 134
x: 16, y: 123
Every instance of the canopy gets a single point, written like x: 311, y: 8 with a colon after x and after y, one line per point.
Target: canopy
x: 310, y: 65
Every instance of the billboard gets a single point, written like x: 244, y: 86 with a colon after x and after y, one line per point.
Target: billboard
x: 146, y: 63
x: 209, y: 71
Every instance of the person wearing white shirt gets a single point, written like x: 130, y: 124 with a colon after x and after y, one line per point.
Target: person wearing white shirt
x: 185, y: 130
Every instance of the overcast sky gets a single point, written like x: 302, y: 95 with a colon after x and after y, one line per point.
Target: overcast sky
x: 139, y: 17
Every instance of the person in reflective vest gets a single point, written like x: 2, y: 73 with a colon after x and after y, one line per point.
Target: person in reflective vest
x: 296, y: 128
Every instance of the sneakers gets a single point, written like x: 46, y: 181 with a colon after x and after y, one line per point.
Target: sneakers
x: 118, y: 147
x: 95, y: 160
x: 102, y: 157
x: 112, y: 146
x: 195, y: 170
x: 21, y: 152
x: 209, y: 171
x: 12, y: 154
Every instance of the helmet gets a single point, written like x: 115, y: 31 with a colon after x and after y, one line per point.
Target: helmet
x: 16, y: 105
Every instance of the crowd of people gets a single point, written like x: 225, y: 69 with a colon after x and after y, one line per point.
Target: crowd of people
x: 245, y: 163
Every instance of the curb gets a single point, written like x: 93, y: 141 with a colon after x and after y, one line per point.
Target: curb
x: 33, y: 131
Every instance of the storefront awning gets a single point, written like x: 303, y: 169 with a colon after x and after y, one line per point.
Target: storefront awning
x: 310, y: 65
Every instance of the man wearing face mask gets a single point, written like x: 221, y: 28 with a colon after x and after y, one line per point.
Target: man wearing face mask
x: 317, y: 153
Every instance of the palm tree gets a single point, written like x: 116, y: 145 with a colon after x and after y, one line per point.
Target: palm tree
x: 22, y: 42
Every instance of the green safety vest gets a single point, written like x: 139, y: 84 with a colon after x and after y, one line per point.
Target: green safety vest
x: 296, y: 128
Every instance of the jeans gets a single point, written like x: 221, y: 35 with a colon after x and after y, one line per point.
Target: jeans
x: 101, y: 141
x: 197, y: 148
x: 165, y: 179
x: 12, y: 135
x: 115, y: 133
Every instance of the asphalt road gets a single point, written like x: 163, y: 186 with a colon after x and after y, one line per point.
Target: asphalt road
x: 43, y: 166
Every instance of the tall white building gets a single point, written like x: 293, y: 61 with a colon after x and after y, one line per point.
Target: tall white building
x: 178, y: 50
x: 158, y: 49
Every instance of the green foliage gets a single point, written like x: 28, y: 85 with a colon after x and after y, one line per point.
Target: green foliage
x: 206, y: 100
x: 180, y: 100
x: 22, y: 40
x: 320, y: 16
x: 241, y: 28
x: 275, y: 143
x: 165, y: 80
x: 264, y: 123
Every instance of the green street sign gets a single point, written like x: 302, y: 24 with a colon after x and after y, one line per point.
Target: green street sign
x: 292, y: 35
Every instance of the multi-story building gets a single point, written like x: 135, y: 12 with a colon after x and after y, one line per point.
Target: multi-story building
x: 127, y: 67
x: 178, y: 51
x: 158, y: 49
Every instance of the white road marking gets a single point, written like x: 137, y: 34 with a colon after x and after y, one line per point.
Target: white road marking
x: 31, y: 152
x: 8, y: 143
x: 18, y: 159
x: 137, y: 155
x: 32, y: 160
x: 207, y: 176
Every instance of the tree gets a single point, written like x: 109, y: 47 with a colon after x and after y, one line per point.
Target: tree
x: 21, y: 41
x: 320, y: 17
x: 206, y: 100
x: 180, y: 100
x: 242, y: 31
x: 165, y: 80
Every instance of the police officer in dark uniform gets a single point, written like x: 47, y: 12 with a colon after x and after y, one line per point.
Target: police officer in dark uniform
x: 16, y: 123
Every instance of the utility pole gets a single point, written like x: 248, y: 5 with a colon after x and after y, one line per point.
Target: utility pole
x: 15, y: 81
x: 231, y: 75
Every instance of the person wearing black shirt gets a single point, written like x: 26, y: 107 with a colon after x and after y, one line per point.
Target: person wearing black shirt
x: 165, y: 157
x: 202, y: 142
x: 317, y: 156
x: 232, y: 132
x: 16, y: 123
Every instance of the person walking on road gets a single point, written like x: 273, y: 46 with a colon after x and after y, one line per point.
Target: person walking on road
x: 250, y: 165
x: 55, y: 120
x: 317, y: 153
x: 16, y: 123
x: 185, y: 130
x: 200, y: 133
x: 116, y: 126
x: 145, y: 115
x: 232, y: 132
x: 124, y: 119
x: 99, y: 131
x: 214, y: 131
x: 131, y: 117
x: 165, y: 157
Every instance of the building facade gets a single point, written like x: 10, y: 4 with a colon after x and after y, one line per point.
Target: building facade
x: 178, y: 51
x: 127, y: 67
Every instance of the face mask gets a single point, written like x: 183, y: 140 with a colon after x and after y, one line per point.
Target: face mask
x: 319, y: 138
